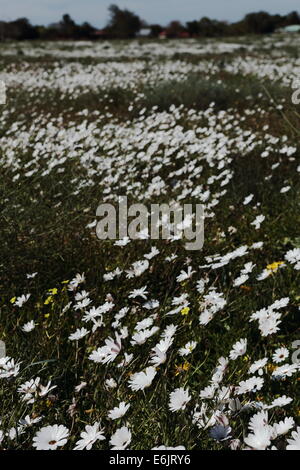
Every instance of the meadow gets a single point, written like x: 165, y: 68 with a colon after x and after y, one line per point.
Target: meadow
x: 142, y: 344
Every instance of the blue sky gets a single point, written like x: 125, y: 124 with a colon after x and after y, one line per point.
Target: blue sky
x: 154, y: 11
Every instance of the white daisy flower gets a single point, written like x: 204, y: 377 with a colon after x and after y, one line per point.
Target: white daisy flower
x: 142, y: 292
x: 142, y: 380
x: 91, y: 435
x: 79, y: 333
x: 260, y: 440
x: 188, y: 348
x: 51, y: 437
x: 280, y: 355
x: 284, y: 426
x: 179, y: 399
x: 294, y: 443
x: 118, y: 411
x: 29, y: 326
x: 120, y: 439
x: 238, y: 349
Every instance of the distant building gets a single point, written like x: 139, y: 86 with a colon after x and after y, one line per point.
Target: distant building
x: 178, y: 34
x: 293, y: 28
x: 100, y: 34
x: 183, y: 34
x: 143, y: 33
x: 163, y: 35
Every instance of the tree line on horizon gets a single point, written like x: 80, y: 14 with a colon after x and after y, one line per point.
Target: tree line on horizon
x: 125, y: 24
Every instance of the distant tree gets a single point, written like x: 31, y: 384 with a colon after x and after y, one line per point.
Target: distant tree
x: 174, y: 29
x: 20, y: 29
x: 51, y: 32
x: 259, y: 23
x: 155, y: 30
x: 193, y: 28
x: 68, y: 27
x: 126, y: 24
x: 206, y: 27
x: 2, y: 30
x: 262, y: 23
x: 292, y: 18
x: 123, y: 24
x: 236, y: 29
x: 278, y: 21
x: 86, y: 31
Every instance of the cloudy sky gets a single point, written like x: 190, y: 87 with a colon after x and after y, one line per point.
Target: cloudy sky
x: 154, y: 11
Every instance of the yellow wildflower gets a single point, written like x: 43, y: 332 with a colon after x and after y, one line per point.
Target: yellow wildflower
x: 274, y: 266
x: 185, y: 311
x: 53, y: 291
x: 48, y: 300
x: 182, y: 368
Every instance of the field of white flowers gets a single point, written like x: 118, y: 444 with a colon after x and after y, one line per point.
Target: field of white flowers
x: 142, y: 344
